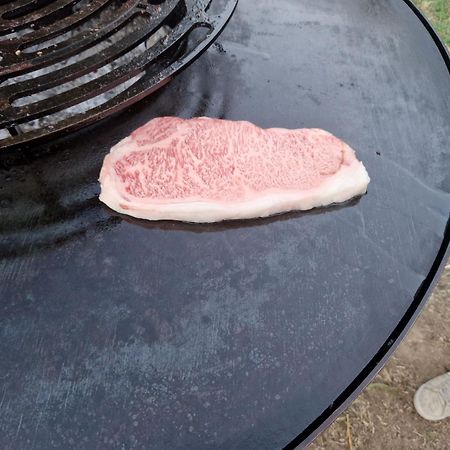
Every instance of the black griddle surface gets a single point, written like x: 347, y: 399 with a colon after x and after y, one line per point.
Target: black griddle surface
x: 116, y: 333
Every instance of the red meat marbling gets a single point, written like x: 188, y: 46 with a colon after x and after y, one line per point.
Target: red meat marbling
x: 208, y: 170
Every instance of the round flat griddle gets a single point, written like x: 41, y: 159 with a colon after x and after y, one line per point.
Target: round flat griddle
x: 116, y: 333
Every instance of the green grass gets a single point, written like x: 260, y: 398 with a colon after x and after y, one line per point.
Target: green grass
x: 438, y: 11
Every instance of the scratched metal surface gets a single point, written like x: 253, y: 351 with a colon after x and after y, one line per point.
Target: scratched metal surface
x: 116, y: 333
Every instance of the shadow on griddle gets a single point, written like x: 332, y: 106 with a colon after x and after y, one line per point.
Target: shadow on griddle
x: 49, y: 196
x: 172, y: 225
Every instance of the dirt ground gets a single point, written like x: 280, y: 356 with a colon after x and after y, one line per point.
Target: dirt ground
x: 383, y: 416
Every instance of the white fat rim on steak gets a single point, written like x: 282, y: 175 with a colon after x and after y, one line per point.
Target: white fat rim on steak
x: 348, y: 182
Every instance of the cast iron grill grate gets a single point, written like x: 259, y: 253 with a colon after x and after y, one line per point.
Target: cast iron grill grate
x: 67, y: 63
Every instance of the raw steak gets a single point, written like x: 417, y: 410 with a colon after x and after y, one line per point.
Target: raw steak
x: 208, y: 170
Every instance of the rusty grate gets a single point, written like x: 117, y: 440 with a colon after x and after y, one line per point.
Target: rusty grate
x: 67, y: 63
